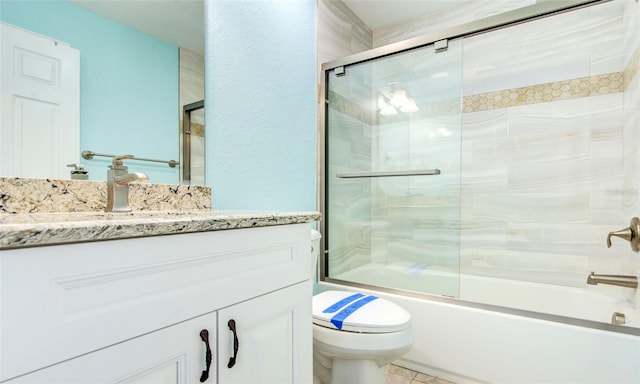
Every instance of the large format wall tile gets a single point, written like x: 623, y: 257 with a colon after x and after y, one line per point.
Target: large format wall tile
x: 545, y: 178
x: 456, y: 14
x: 568, y: 46
x: 548, y: 158
x: 340, y: 32
x: 630, y: 192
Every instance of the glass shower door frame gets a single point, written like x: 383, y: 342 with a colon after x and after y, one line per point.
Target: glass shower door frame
x: 491, y: 23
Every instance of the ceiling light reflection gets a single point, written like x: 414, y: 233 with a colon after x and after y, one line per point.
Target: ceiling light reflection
x: 399, y: 100
x: 388, y: 110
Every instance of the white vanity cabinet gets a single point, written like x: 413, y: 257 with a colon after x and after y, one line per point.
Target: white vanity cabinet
x: 131, y: 311
x: 273, y: 337
x: 170, y: 355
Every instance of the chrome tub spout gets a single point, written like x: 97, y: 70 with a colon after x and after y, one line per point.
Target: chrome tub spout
x: 619, y: 280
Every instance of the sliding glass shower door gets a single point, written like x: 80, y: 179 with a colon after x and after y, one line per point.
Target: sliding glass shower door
x: 392, y: 202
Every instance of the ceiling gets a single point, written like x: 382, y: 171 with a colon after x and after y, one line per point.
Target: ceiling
x: 384, y: 13
x: 186, y: 17
x: 180, y: 22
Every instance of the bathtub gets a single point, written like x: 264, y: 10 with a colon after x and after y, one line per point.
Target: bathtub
x: 595, y: 303
x: 491, y: 337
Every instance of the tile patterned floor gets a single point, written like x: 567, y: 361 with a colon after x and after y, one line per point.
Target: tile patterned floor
x: 399, y: 375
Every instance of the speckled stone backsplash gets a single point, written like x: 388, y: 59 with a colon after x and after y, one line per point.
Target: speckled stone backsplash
x: 23, y: 195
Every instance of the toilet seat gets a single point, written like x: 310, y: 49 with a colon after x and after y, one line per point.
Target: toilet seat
x: 358, y: 312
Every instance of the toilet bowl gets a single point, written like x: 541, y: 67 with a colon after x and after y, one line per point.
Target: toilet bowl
x: 355, y: 335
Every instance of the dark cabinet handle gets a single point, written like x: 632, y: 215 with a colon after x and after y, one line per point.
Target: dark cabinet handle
x: 232, y: 359
x: 204, y: 335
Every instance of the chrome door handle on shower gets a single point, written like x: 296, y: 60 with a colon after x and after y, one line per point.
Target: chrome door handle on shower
x: 631, y: 234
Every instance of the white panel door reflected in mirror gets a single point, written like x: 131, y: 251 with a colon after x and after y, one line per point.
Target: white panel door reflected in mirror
x: 39, y: 132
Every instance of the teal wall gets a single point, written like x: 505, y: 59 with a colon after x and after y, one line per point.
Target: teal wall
x: 129, y: 84
x: 261, y: 104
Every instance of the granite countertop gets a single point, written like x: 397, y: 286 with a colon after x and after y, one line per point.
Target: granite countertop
x: 37, y: 212
x: 38, y: 229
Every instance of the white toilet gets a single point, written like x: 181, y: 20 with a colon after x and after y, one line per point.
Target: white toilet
x: 355, y: 335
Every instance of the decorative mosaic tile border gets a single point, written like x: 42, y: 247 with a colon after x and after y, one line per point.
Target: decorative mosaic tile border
x: 197, y: 129
x: 557, y: 90
x: 543, y: 93
x: 24, y: 195
x: 505, y: 98
x: 349, y: 108
x: 632, y: 68
x: 444, y: 107
x: 597, y: 85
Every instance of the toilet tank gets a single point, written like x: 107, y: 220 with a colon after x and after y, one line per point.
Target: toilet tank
x: 315, y: 253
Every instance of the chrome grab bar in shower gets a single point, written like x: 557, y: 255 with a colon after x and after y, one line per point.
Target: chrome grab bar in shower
x: 421, y: 172
x: 88, y: 155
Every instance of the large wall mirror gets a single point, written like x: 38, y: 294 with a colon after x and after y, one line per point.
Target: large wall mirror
x: 141, y: 62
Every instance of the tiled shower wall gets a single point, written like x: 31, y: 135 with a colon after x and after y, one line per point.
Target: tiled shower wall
x: 458, y: 12
x: 340, y: 32
x: 543, y: 147
x: 550, y: 153
x: 631, y: 130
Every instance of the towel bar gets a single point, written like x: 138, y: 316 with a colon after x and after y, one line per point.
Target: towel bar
x: 89, y: 155
x: 422, y: 172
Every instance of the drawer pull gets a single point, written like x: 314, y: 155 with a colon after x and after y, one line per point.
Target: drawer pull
x: 204, y: 335
x: 232, y: 359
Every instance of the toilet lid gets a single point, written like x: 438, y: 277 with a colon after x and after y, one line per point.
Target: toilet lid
x: 358, y: 312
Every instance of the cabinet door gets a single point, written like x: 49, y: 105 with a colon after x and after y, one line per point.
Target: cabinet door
x: 273, y: 335
x: 175, y: 354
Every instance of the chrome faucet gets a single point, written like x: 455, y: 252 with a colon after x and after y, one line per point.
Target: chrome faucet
x: 619, y: 280
x: 118, y: 179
